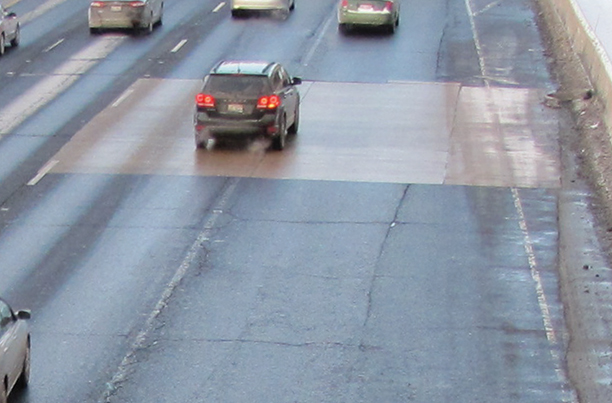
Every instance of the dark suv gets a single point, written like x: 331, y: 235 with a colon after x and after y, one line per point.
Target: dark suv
x: 247, y: 99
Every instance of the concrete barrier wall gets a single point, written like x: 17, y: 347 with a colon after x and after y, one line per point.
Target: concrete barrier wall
x: 585, y: 43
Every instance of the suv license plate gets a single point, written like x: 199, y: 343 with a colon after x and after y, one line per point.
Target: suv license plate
x: 115, y: 8
x: 235, y: 108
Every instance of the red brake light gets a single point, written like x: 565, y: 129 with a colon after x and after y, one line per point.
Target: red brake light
x: 205, y: 101
x: 389, y: 6
x: 268, y: 102
x: 97, y: 4
x: 344, y: 3
x: 137, y: 4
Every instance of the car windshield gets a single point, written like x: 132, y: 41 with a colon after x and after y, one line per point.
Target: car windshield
x: 236, y: 84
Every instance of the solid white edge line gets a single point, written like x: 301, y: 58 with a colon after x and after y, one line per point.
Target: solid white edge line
x: 179, y: 46
x: 551, y: 335
x: 481, y: 63
x: 42, y: 172
x: 219, y: 7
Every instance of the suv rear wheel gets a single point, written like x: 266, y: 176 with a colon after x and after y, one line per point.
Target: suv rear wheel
x: 278, y: 142
x: 293, y: 129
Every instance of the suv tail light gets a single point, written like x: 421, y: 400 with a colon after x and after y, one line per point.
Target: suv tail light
x: 205, y: 101
x: 97, y: 4
x: 268, y: 102
x: 389, y: 6
x: 137, y: 4
x: 344, y: 3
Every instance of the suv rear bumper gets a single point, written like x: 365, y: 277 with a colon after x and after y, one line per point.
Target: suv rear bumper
x: 212, y: 128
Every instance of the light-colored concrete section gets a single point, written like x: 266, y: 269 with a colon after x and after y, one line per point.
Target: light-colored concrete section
x: 397, y: 132
x: 370, y: 132
x: 502, y: 139
x: 18, y: 110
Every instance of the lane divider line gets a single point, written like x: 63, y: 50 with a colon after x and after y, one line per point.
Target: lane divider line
x: 141, y: 340
x: 122, y: 98
x: 55, y: 45
x: 42, y: 172
x: 219, y: 7
x: 179, y: 46
x: 318, y: 39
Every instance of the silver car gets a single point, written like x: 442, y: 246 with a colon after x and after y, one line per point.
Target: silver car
x: 369, y: 13
x: 14, y: 350
x: 134, y: 14
x: 9, y: 29
x: 240, y: 6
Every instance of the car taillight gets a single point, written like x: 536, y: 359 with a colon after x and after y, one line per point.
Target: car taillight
x: 205, y: 101
x: 389, y: 6
x: 268, y: 102
x: 97, y: 4
x: 344, y: 3
x: 137, y: 4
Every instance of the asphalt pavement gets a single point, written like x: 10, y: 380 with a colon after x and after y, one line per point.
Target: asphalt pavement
x: 155, y: 271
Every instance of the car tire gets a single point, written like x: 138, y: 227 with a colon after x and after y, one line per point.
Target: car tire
x: 293, y: 129
x: 94, y: 31
x: 149, y: 28
x: 237, y: 13
x: 15, y: 41
x: 292, y: 6
x: 278, y: 142
x: 24, y: 378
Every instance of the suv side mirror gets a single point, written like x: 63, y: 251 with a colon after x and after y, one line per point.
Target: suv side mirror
x: 23, y: 314
x: 296, y: 81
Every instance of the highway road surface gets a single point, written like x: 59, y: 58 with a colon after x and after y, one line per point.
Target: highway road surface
x: 402, y: 248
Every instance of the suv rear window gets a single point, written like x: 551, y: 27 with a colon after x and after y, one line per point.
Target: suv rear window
x: 236, y: 84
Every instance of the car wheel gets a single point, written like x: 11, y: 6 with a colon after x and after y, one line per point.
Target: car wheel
x: 292, y: 7
x: 2, y: 47
x: 149, y: 28
x: 237, y: 13
x: 24, y: 378
x: 94, y: 31
x: 201, y: 145
x: 278, y: 143
x: 15, y: 41
x: 293, y: 129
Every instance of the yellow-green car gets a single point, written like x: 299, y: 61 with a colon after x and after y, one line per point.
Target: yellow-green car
x: 375, y: 13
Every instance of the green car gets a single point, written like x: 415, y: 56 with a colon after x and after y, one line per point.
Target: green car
x: 374, y: 13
